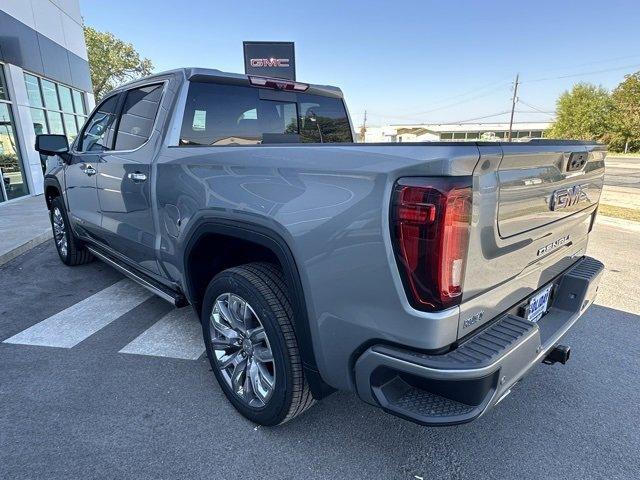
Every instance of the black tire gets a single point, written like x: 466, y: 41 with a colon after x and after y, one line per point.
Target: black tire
x: 262, y: 285
x: 75, y: 253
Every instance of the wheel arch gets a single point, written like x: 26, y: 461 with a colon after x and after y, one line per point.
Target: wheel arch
x: 52, y: 189
x: 266, y: 238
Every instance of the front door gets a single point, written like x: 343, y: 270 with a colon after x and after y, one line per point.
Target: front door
x: 82, y: 169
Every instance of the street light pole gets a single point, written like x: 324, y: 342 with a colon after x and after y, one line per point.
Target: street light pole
x: 513, y: 105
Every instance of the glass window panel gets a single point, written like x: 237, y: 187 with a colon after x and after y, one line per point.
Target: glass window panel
x: 65, y: 99
x: 33, y: 90
x: 55, y: 123
x: 70, y: 126
x: 458, y: 135
x: 80, y: 121
x: 96, y: 136
x: 39, y: 122
x: 50, y: 95
x: 138, y: 116
x: 4, y: 95
x: 78, y: 102
x: 10, y: 164
x: 233, y: 115
x: 446, y: 136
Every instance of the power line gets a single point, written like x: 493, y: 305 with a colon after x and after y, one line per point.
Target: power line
x: 593, y: 62
x: 476, y: 118
x: 581, y: 74
x: 537, y: 109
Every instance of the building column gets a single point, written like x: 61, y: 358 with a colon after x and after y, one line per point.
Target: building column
x: 26, y: 135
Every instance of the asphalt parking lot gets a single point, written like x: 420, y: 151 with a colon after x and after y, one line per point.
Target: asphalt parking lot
x: 115, y: 387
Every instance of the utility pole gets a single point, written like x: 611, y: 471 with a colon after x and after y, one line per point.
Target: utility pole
x: 363, y: 129
x: 513, y: 105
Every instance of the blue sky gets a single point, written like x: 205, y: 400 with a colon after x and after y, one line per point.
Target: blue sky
x: 404, y: 61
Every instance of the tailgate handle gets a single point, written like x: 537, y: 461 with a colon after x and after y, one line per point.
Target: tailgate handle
x: 137, y: 177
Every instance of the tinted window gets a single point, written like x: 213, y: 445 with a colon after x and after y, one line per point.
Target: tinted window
x: 323, y: 120
x: 236, y: 115
x: 96, y: 135
x: 138, y: 116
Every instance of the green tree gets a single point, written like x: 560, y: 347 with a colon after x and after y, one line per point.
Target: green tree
x: 584, y: 113
x: 626, y: 114
x: 112, y: 62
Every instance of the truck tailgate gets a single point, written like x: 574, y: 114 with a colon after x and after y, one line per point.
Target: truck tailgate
x: 541, y: 185
x: 533, y: 208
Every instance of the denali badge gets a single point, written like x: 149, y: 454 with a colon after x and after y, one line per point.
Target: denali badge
x: 554, y: 245
x: 473, y: 319
x: 566, y: 197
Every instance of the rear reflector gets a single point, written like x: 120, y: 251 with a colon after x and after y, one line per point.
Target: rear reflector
x: 278, y: 84
x: 430, y: 221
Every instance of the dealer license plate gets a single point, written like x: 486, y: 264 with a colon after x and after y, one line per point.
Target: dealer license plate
x: 538, y: 304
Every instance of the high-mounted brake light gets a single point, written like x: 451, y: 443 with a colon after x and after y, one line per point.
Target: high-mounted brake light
x: 277, y: 84
x: 430, y: 221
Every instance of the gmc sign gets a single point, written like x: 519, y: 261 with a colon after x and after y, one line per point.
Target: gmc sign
x: 270, y: 62
x: 270, y: 59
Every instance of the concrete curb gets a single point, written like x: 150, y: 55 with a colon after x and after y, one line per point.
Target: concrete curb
x: 619, y: 223
x: 25, y: 247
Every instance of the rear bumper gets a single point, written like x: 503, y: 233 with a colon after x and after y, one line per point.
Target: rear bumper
x: 461, y: 385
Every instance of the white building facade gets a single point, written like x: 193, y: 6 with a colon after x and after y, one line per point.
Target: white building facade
x: 455, y: 132
x: 45, y: 86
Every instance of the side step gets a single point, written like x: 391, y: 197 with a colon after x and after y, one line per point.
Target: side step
x: 175, y: 298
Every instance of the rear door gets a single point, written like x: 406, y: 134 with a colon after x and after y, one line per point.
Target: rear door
x: 124, y: 179
x: 533, y: 208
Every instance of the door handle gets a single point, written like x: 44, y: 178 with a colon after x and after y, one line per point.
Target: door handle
x: 137, y: 177
x: 88, y: 169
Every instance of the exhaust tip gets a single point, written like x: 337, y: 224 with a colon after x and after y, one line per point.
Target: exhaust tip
x: 559, y: 354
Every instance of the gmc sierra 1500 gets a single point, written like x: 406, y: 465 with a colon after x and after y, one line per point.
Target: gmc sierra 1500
x: 428, y: 278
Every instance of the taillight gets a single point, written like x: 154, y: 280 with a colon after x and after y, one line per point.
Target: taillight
x: 430, y: 219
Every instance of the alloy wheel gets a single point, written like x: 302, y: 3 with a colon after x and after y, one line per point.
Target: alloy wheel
x: 59, y: 232
x: 242, y: 350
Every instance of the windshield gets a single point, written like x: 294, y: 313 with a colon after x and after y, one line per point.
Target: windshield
x: 217, y: 114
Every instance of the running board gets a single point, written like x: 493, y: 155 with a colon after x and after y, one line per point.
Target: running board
x: 176, y: 299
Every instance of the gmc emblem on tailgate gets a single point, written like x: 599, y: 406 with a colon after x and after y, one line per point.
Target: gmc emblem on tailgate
x: 566, y: 197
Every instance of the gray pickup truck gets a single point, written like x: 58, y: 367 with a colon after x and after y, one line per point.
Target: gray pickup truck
x: 428, y: 278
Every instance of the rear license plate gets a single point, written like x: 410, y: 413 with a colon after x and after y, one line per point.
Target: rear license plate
x: 538, y: 304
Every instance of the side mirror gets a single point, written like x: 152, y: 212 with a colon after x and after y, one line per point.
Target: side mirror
x: 52, y: 144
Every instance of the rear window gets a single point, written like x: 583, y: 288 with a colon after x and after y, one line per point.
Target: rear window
x: 217, y: 114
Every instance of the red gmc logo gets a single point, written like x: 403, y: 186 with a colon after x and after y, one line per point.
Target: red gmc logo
x: 269, y: 62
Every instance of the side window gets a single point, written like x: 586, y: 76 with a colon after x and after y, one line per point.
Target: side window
x: 138, y: 115
x: 95, y: 136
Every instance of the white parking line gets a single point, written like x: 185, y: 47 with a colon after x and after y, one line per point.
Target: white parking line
x: 176, y: 335
x: 71, y: 326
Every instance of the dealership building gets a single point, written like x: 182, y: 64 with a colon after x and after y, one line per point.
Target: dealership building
x: 455, y: 131
x: 44, y: 86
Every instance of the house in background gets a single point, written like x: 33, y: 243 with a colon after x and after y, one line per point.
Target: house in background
x: 454, y: 132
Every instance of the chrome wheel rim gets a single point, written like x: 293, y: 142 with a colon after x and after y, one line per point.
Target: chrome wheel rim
x: 59, y: 231
x: 242, y: 350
